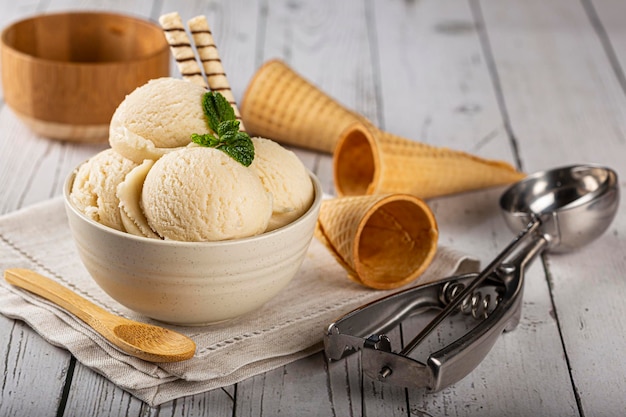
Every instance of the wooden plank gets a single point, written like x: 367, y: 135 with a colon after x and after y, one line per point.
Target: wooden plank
x: 116, y: 6
x: 438, y: 57
x: 94, y: 395
x: 294, y: 389
x: 12, y: 12
x: 566, y: 105
x: 559, y: 88
x: 345, y: 386
x: 22, y: 159
x: 218, y: 403
x: 329, y: 46
x: 435, y: 83
x: 607, y: 18
x: 29, y: 363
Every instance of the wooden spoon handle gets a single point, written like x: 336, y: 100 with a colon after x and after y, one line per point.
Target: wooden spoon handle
x: 58, y: 294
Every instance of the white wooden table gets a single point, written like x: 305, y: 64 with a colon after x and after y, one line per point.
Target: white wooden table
x: 538, y: 83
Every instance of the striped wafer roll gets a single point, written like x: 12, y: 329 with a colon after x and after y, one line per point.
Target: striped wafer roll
x: 382, y: 241
x: 211, y: 62
x: 181, y: 48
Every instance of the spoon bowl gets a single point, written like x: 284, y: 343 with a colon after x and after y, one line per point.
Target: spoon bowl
x: 144, y: 341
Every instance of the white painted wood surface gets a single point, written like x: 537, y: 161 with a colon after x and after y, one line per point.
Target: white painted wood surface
x: 539, y: 83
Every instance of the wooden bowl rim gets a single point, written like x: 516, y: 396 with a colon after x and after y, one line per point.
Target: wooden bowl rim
x: 134, y: 19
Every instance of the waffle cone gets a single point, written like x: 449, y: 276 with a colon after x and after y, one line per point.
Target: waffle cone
x: 370, y: 161
x: 383, y: 241
x: 281, y: 105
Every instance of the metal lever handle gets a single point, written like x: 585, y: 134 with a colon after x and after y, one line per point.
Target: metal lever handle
x: 362, y: 329
x: 455, y: 361
x: 531, y: 228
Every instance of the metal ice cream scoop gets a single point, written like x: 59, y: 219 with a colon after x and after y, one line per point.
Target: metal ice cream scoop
x: 557, y: 210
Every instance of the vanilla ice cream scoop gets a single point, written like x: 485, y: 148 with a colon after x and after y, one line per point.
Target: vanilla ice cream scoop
x: 129, y: 194
x: 202, y: 194
x: 157, y: 118
x: 94, y: 188
x: 285, y: 177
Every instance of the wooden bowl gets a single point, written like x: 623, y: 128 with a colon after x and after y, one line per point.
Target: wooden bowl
x: 65, y: 74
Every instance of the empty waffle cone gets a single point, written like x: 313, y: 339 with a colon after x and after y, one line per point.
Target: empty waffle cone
x: 279, y: 104
x: 383, y: 241
x: 370, y: 161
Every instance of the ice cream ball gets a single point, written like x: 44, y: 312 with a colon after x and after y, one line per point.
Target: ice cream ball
x: 285, y: 177
x: 157, y: 118
x: 94, y: 188
x: 201, y: 194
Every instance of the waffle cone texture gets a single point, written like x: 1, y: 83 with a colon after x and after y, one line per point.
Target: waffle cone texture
x: 279, y: 104
x: 368, y: 160
x: 382, y: 241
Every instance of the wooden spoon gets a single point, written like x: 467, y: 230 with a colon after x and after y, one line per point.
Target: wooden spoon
x: 144, y: 341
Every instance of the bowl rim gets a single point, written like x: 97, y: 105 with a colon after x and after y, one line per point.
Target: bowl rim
x: 134, y: 18
x: 313, y: 208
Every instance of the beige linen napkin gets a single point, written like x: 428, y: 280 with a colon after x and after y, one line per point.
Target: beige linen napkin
x: 287, y: 328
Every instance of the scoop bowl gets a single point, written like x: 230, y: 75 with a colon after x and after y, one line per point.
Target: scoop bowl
x: 191, y: 283
x: 576, y: 204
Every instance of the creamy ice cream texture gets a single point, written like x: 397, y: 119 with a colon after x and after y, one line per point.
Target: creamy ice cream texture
x: 129, y: 195
x: 157, y: 118
x: 202, y: 194
x: 94, y: 191
x: 155, y: 183
x: 285, y: 178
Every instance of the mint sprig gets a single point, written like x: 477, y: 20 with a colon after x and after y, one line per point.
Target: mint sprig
x: 224, y: 126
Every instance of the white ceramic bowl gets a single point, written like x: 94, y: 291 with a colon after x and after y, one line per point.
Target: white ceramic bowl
x: 191, y: 283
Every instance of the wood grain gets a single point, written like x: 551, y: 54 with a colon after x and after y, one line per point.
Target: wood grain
x: 29, y: 362
x: 534, y: 82
x: 64, y: 74
x: 576, y: 99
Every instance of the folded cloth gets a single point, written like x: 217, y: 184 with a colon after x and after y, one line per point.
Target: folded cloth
x: 287, y: 328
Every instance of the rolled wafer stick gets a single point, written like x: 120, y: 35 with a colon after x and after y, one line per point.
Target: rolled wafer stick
x: 211, y: 62
x: 181, y: 48
x: 382, y: 241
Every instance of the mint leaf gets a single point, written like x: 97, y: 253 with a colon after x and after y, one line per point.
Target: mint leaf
x: 207, y: 140
x: 227, y: 126
x: 225, y: 134
x: 238, y: 146
x: 217, y: 109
